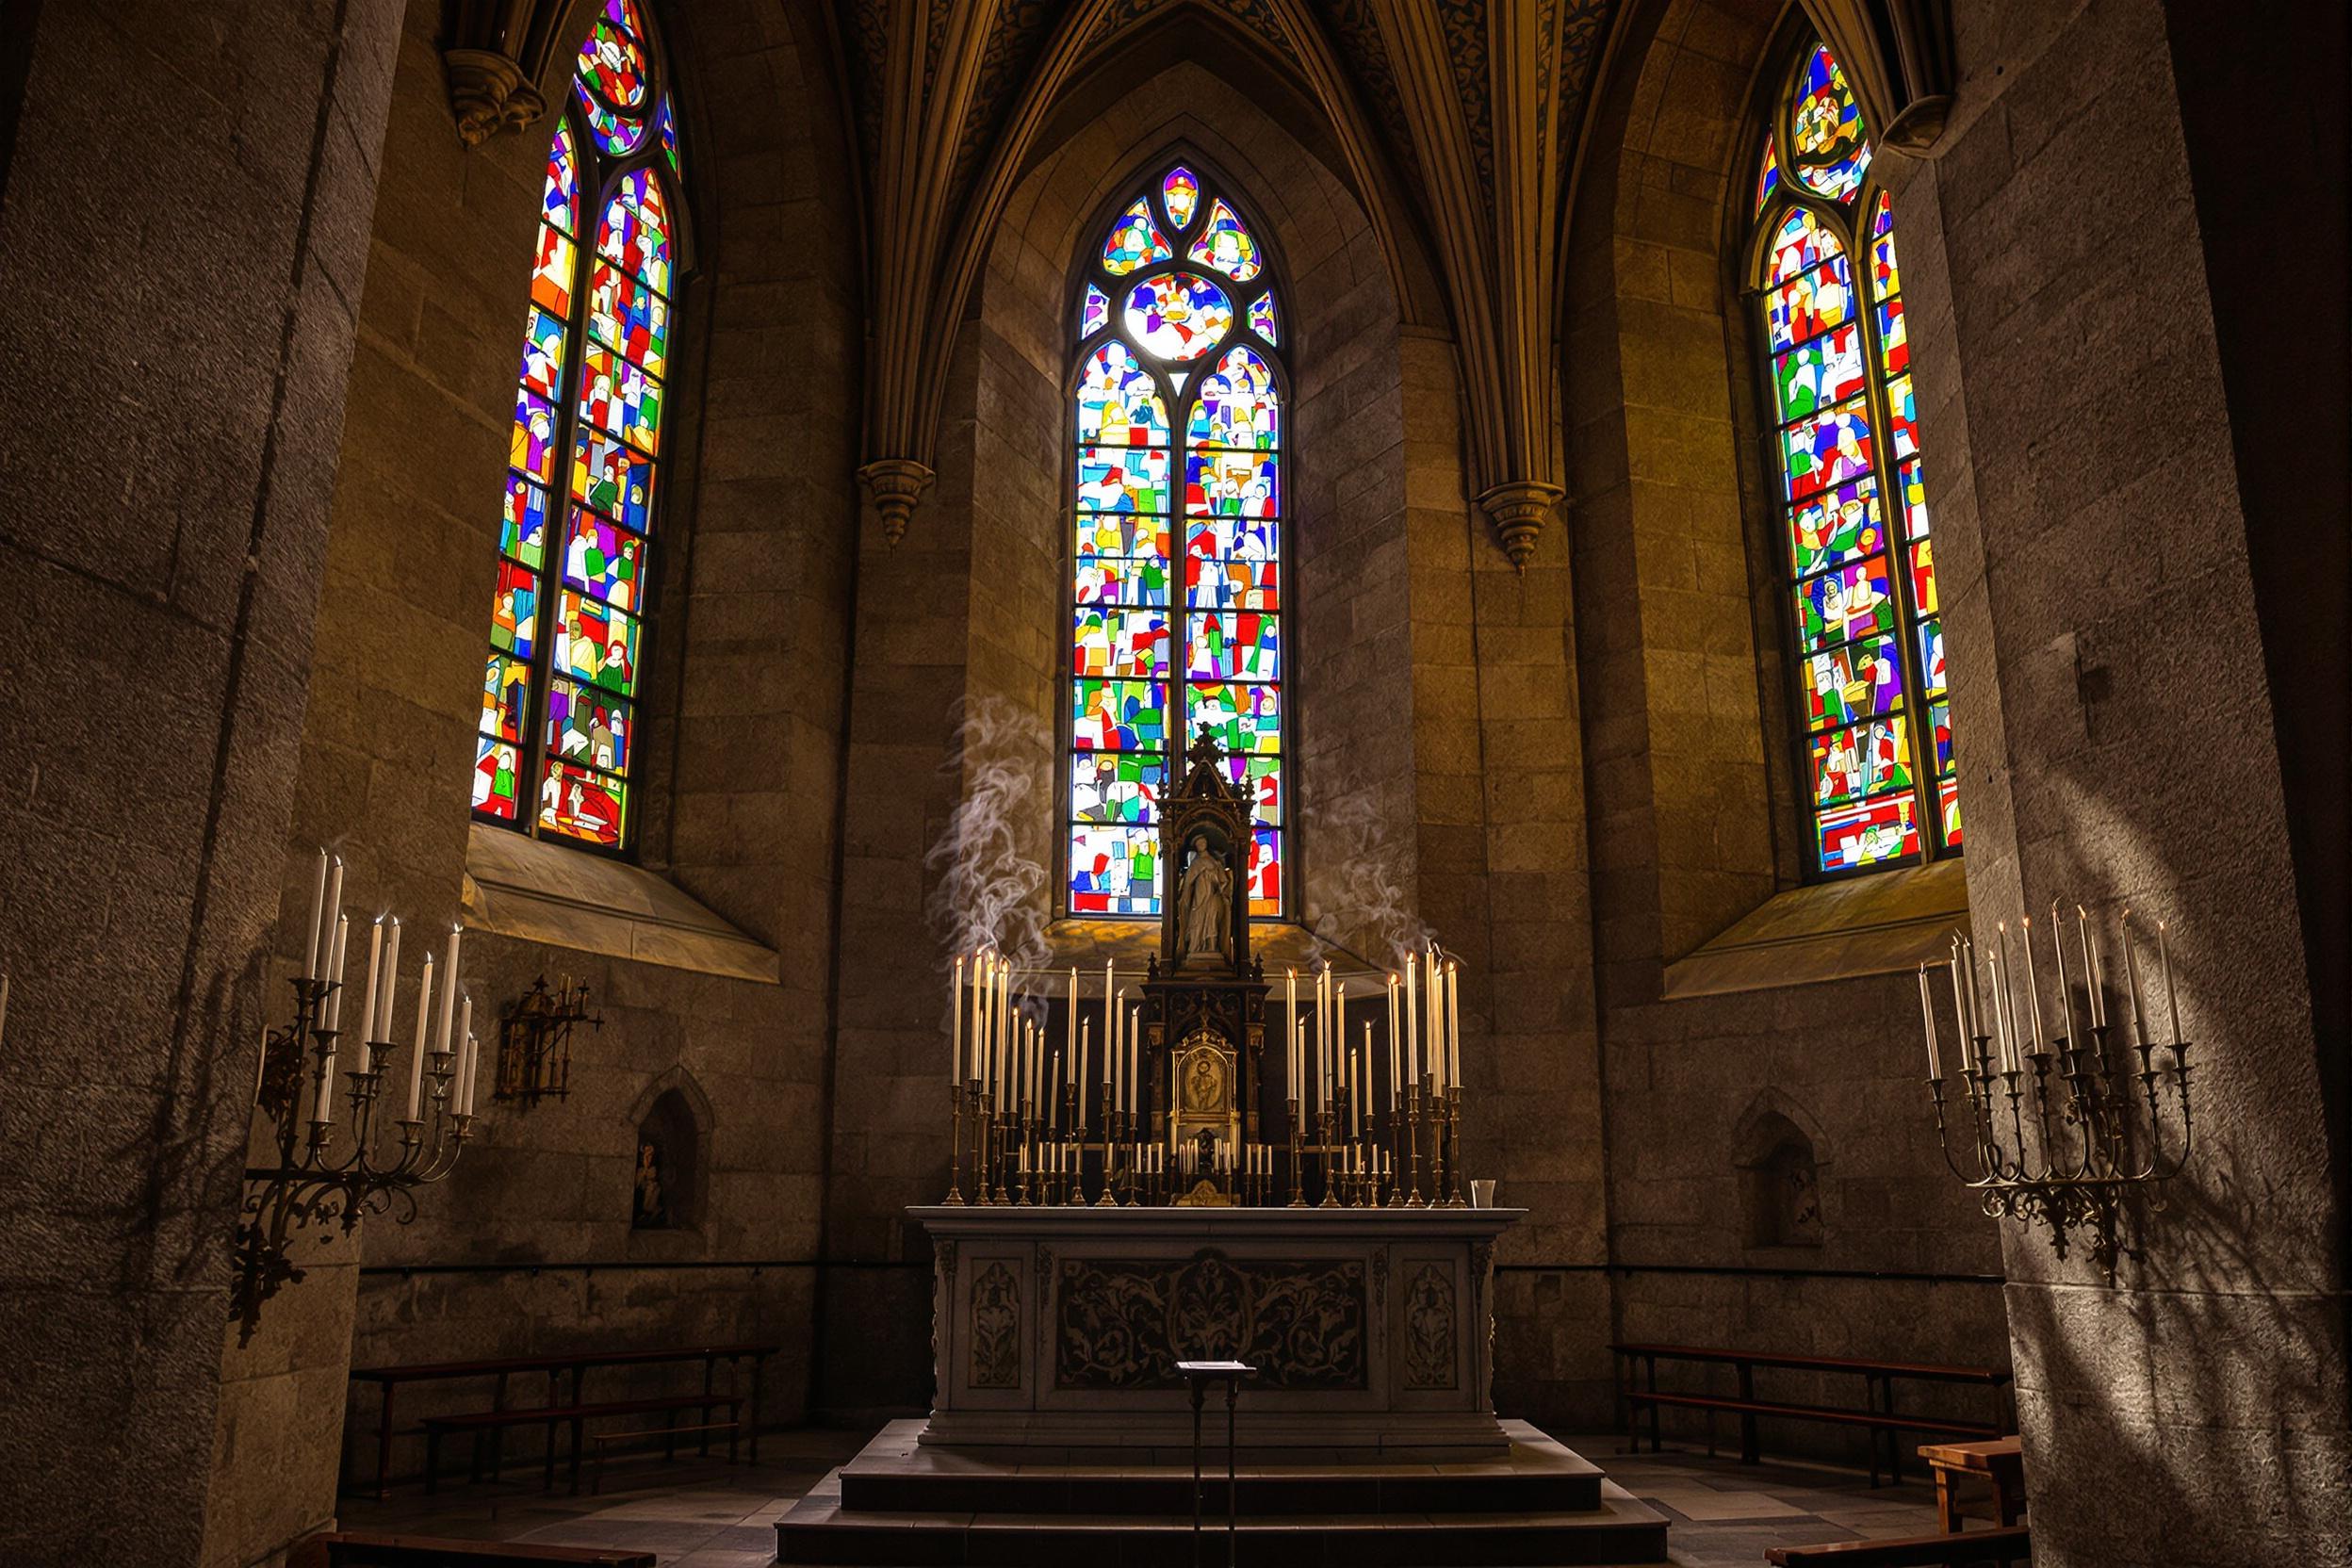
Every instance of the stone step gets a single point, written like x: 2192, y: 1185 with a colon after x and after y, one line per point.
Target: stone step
x: 820, y: 1532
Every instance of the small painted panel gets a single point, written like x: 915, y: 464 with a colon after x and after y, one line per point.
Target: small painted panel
x: 1225, y: 484
x: 581, y: 804
x: 1930, y: 636
x: 1122, y: 478
x: 1238, y: 647
x: 1902, y: 414
x: 1237, y: 405
x: 1860, y: 681
x: 1113, y: 870
x: 1838, y: 525
x: 1118, y: 715
x: 1850, y: 602
x: 1819, y: 373
x: 496, y: 780
x: 1948, y: 808
x: 1119, y: 402
x: 613, y: 478
x: 1227, y: 245
x: 1178, y: 194
x: 635, y: 231
x: 1093, y: 313
x: 1265, y: 873
x: 588, y: 725
x: 1118, y: 643
x: 1239, y: 718
x: 1178, y: 316
x: 553, y: 273
x: 1886, y: 275
x: 1109, y: 787
x: 1230, y: 539
x: 1861, y: 760
x: 1118, y: 580
x: 1828, y: 449
x: 1940, y: 717
x: 514, y: 611
x: 1802, y: 242
x: 505, y: 697
x: 531, y: 446
x: 1134, y: 241
x: 559, y: 198
x: 523, y: 529
x: 1870, y: 833
x: 1811, y: 304
x: 1262, y: 318
x: 543, y: 353
x: 1894, y: 339
x: 623, y: 314
x: 618, y: 397
x: 595, y: 641
x: 1914, y: 501
x: 604, y: 558
x: 1211, y: 584
x: 1121, y: 533
x: 1259, y: 777
x: 1923, y: 578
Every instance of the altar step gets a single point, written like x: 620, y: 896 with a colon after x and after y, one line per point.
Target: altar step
x: 901, y: 1504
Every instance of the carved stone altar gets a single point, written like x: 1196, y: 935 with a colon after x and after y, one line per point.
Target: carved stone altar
x: 1061, y: 1327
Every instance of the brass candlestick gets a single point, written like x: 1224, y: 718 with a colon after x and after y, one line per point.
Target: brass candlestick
x: 955, y: 1146
x: 1297, y: 1159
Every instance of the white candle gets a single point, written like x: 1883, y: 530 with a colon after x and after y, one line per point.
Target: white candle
x: 334, y: 973
x: 1413, y: 1028
x: 391, y: 980
x: 1339, y: 1021
x: 1085, y: 1054
x: 2065, y: 990
x: 332, y: 910
x: 1290, y: 1033
x: 2163, y: 956
x: 2005, y: 977
x: 417, y: 1057
x: 1395, y: 1082
x: 2032, y: 990
x: 955, y: 1027
x: 1960, y: 1010
x: 2131, y: 983
x: 1363, y: 1090
x: 1069, y: 1046
x: 368, y: 1001
x: 2090, y: 968
x: 1927, y: 1015
x: 317, y: 920
x: 441, y: 1040
x: 473, y: 1069
x: 1134, y: 1064
x: 465, y: 1033
x: 1453, y: 1025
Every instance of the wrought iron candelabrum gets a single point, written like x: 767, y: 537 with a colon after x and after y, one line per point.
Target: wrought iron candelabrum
x: 2058, y: 1128
x: 316, y: 1182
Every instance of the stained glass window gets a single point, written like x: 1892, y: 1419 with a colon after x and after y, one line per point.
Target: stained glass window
x: 1177, y: 551
x: 558, y: 689
x: 1876, y: 768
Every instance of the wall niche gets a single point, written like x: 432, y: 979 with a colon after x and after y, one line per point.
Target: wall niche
x: 670, y: 1128
x: 1780, y: 1165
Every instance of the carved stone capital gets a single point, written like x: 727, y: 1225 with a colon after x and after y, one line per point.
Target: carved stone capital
x: 894, y: 485
x: 488, y: 94
x: 1518, y: 509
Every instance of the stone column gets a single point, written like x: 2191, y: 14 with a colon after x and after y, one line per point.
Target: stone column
x: 183, y: 233
x: 2118, y: 746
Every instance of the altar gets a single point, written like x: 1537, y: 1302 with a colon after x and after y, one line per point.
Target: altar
x: 1371, y: 1328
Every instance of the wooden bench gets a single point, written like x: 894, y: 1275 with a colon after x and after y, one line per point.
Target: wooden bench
x: 669, y: 1436
x: 368, y: 1549
x: 489, y: 1423
x: 557, y: 1368
x: 2004, y: 1545
x: 1877, y: 1413
x: 2001, y: 1462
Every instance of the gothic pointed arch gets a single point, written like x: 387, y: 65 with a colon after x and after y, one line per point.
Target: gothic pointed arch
x: 554, y: 754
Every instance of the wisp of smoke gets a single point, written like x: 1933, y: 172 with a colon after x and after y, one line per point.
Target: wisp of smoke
x: 986, y: 893
x: 1360, y: 898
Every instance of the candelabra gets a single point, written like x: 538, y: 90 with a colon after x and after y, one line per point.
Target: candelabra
x: 2062, y: 1154
x: 535, y: 1042
x: 310, y: 1183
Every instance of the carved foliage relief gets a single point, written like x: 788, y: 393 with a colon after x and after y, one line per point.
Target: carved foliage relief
x: 996, y: 1326
x: 1123, y: 1323
x: 1429, y: 1328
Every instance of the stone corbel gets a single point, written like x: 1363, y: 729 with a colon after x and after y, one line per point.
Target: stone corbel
x: 493, y: 53
x: 1518, y: 509
x: 894, y: 485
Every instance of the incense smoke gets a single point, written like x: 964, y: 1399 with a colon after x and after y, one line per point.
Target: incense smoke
x: 986, y: 891
x: 1358, y: 900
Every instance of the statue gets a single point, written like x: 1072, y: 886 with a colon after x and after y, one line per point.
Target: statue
x: 1206, y: 904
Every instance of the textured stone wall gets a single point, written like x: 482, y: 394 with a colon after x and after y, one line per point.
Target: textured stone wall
x: 183, y: 230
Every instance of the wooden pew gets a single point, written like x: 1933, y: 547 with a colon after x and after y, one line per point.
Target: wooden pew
x: 489, y: 1424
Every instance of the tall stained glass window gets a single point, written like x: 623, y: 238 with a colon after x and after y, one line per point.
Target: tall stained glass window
x: 558, y: 690
x: 1176, y: 612
x: 1870, y: 648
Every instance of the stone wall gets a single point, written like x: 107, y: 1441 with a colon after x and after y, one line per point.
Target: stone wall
x: 182, y: 233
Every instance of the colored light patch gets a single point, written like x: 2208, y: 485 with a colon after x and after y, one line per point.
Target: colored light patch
x: 514, y: 611
x: 1115, y: 786
x: 1924, y: 579
x: 1117, y: 716
x: 1861, y: 680
x: 497, y: 781
x: 623, y: 314
x: 1933, y: 678
x: 1116, y: 644
x: 1239, y: 718
x: 636, y: 229
x: 531, y: 446
x: 1227, y: 245
x: 1092, y: 313
x: 1839, y: 606
x: 1262, y: 318
x: 1180, y: 193
x: 559, y: 199
x: 1940, y: 717
x: 1869, y: 834
x: 1903, y: 413
x: 1800, y: 244
x: 1767, y: 178
x: 613, y: 478
x: 1230, y: 539
x: 1914, y: 501
x: 543, y: 353
x: 585, y: 724
x: 596, y: 643
x: 1232, y: 584
x: 1836, y: 526
x: 1178, y: 316
x: 1828, y: 449
x: 1235, y: 646
x: 1110, y: 579
x: 1820, y: 374
x: 1259, y: 780
x: 1894, y: 338
x: 1825, y: 130
x: 1122, y: 478
x: 1119, y: 403
x: 1113, y: 870
x: 582, y: 804
x: 1122, y: 533
x: 505, y: 697
x: 1948, y: 806
x: 1265, y: 874
x: 1861, y: 760
x: 1223, y: 484
x: 552, y: 274
x: 523, y: 529
x: 618, y: 397
x: 604, y: 559
x: 616, y: 134
x: 1134, y: 241
x: 1237, y: 405
x: 1805, y: 306
x: 613, y: 64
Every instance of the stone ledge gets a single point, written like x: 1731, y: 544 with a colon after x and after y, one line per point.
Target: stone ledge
x: 1880, y: 925
x: 517, y: 886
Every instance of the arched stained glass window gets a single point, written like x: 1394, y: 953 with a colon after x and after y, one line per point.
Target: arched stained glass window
x: 574, y: 549
x: 1176, y: 612
x: 1877, y: 767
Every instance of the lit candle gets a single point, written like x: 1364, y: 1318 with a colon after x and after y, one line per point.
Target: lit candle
x: 2033, y: 991
x: 956, y: 1026
x: 2163, y: 956
x: 368, y: 1001
x: 1069, y: 1045
x: 1453, y: 1025
x: 441, y: 1040
x: 1927, y: 1015
x: 317, y: 920
x: 417, y: 1057
x: 2131, y: 983
x: 1960, y: 1009
x: 2097, y: 981
x: 1413, y: 1026
x: 2065, y: 990
x: 1290, y: 1032
x: 2005, y: 977
x: 1339, y: 1022
x: 391, y: 981
x: 1976, y: 994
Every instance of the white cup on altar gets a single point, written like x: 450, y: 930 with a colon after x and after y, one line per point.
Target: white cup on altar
x: 1482, y: 1195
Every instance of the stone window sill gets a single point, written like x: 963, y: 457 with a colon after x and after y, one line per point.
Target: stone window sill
x: 1088, y: 940
x: 517, y: 886
x: 1881, y: 924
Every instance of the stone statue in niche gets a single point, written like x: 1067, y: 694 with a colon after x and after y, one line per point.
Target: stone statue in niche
x: 1207, y: 900
x: 650, y: 1210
